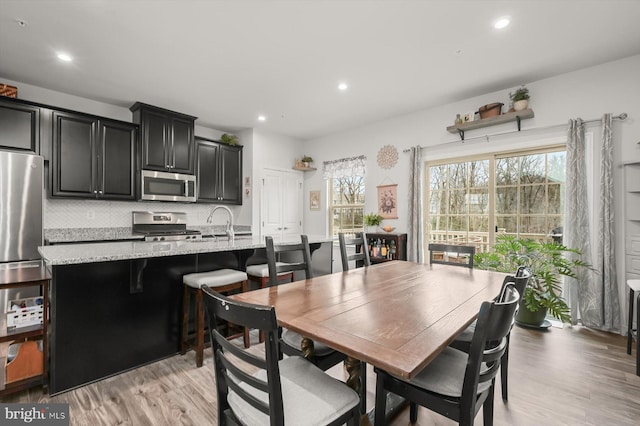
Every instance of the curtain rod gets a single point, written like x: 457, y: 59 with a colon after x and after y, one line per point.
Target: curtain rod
x: 622, y: 116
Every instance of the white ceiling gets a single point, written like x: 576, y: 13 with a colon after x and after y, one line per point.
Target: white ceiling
x: 226, y: 62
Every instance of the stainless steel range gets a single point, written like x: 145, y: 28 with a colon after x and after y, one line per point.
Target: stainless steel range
x: 163, y: 226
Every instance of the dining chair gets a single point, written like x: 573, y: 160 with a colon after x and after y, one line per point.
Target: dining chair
x: 361, y: 255
x: 264, y: 390
x: 361, y: 258
x: 292, y: 343
x: 299, y: 260
x: 457, y: 384
x: 449, y: 254
x: 463, y: 340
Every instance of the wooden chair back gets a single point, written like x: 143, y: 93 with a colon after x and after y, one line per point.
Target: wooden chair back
x: 449, y: 254
x: 300, y: 258
x: 229, y: 372
x: 361, y: 255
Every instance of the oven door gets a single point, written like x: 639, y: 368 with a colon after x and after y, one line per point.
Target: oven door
x: 162, y: 186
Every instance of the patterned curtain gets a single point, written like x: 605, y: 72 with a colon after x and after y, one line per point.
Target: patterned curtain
x: 344, y: 167
x: 595, y: 292
x: 577, y: 218
x: 414, y: 228
x: 607, y: 286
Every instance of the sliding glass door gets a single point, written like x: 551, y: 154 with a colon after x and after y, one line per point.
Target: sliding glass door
x: 471, y: 200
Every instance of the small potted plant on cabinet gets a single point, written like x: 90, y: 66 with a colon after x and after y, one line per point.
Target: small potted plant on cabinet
x: 372, y: 219
x: 520, y: 98
x: 547, y: 262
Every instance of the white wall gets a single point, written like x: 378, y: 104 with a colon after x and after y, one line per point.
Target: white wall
x: 588, y: 93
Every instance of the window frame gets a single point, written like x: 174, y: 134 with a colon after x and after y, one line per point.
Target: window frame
x: 333, y: 207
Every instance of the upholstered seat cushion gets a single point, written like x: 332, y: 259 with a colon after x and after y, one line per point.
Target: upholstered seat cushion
x: 467, y: 333
x: 309, y: 396
x: 294, y: 340
x: 214, y: 278
x: 262, y: 270
x: 445, y: 374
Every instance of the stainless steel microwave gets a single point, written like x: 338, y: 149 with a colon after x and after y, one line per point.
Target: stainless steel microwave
x: 163, y: 186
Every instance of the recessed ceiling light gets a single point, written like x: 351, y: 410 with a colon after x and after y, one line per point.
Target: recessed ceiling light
x: 64, y: 57
x: 262, y: 118
x: 21, y: 22
x: 343, y: 86
x: 501, y: 22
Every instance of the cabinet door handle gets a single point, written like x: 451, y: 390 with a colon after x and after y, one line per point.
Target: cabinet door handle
x: 95, y: 192
x: 100, y: 192
x: 285, y: 228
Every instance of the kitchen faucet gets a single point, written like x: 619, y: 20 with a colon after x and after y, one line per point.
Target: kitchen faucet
x: 229, y: 230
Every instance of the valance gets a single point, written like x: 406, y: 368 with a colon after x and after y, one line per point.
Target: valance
x: 344, y: 167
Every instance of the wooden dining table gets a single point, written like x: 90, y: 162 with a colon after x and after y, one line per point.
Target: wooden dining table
x: 397, y: 316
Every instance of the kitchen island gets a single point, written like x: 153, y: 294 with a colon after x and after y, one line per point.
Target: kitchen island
x: 115, y: 306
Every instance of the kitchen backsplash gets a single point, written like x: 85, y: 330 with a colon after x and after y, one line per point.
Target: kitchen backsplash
x: 114, y: 214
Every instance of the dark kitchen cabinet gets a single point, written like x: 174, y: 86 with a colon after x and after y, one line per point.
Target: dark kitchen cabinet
x: 110, y: 317
x: 219, y: 172
x: 92, y: 157
x: 167, y: 141
x: 19, y: 125
x: 392, y: 247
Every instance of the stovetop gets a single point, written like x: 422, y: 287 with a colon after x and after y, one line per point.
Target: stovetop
x: 165, y: 226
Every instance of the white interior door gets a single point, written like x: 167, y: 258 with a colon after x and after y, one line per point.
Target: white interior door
x: 281, y: 203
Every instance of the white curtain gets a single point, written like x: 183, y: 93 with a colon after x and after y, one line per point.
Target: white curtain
x: 594, y: 294
x: 414, y: 229
x: 344, y: 167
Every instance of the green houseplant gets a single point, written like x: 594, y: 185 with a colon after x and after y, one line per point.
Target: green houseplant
x: 520, y: 98
x: 229, y: 139
x: 306, y: 160
x: 547, y: 262
x: 372, y: 219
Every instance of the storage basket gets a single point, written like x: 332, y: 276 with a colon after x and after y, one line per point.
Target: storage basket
x: 490, y: 110
x: 25, y: 312
x: 8, y: 91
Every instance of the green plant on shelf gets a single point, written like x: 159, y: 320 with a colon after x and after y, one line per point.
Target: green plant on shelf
x: 229, y: 139
x: 521, y: 94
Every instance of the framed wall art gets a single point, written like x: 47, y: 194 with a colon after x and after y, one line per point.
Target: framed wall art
x: 314, y: 200
x: 388, y: 201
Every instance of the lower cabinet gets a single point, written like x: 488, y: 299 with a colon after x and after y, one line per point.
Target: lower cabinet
x: 109, y: 317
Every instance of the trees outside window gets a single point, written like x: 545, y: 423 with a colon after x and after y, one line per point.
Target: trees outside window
x: 346, y: 210
x: 470, y: 200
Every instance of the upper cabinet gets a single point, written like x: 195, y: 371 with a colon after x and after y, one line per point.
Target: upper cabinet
x: 20, y: 125
x: 92, y: 157
x: 167, y: 141
x: 219, y: 172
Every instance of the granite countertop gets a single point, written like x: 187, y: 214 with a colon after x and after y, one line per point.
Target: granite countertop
x: 66, y: 254
x: 78, y: 235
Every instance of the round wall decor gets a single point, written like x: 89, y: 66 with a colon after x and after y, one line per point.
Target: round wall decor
x: 387, y: 156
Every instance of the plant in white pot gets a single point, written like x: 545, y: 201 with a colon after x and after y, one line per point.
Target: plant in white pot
x: 372, y: 219
x: 520, y: 98
x: 547, y: 262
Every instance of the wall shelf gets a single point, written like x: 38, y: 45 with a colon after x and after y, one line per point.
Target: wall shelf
x: 305, y: 169
x: 507, y: 117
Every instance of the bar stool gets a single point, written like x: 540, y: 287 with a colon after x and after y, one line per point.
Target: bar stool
x: 223, y: 281
x: 632, y: 333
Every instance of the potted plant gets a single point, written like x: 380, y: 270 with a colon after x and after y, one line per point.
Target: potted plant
x: 520, y: 98
x: 229, y: 139
x: 372, y: 219
x: 306, y: 160
x: 546, y: 261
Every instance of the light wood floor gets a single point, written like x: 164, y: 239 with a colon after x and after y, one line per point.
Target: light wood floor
x: 570, y: 376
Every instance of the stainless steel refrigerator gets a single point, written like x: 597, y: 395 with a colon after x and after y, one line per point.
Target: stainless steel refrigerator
x: 21, y: 192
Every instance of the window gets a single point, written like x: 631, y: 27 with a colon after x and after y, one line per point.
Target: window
x: 521, y: 193
x: 346, y: 210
